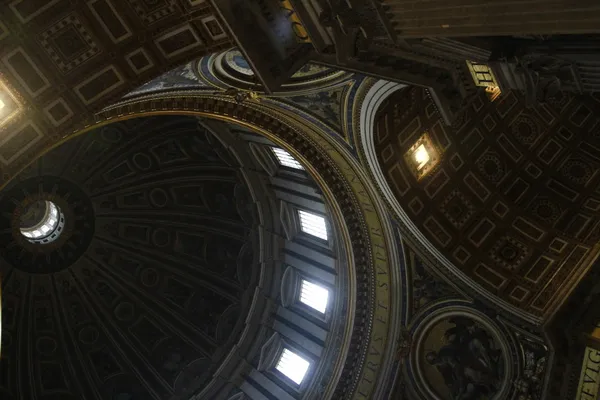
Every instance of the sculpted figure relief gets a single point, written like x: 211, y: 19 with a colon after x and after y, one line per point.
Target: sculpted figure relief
x: 468, y: 360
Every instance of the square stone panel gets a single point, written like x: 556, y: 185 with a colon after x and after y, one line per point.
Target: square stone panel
x: 533, y: 170
x: 489, y: 122
x: 69, y: 43
x: 139, y: 61
x: 178, y: 41
x: 580, y: 115
x: 58, y: 111
x: 481, y: 231
x: 456, y: 161
x: 592, y: 204
x: 519, y: 293
x: 214, y: 28
x: 387, y: 153
x: 151, y: 11
x: 26, y: 71
x: 461, y: 254
x: 500, y: 209
x: 557, y: 245
x: 18, y: 141
x: 416, y: 205
x: 565, y: 133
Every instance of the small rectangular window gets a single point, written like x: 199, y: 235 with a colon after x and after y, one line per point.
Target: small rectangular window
x: 482, y: 74
x: 292, y: 365
x: 286, y: 158
x: 313, y: 224
x: 314, y: 296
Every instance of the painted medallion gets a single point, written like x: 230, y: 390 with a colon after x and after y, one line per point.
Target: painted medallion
x: 462, y: 360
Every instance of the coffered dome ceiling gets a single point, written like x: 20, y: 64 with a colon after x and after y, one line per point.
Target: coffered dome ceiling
x: 146, y: 289
x: 514, y: 200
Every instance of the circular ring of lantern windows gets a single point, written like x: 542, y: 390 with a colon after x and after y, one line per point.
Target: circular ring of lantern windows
x: 42, y: 222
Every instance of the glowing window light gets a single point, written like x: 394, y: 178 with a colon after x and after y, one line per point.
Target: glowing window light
x: 421, y: 156
x: 1, y: 104
x: 314, y: 296
x: 293, y: 366
x: 313, y: 224
x: 286, y: 159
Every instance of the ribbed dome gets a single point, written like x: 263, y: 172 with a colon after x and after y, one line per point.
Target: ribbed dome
x: 146, y: 289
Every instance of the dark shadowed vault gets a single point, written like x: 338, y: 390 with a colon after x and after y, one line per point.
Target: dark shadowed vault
x: 149, y: 291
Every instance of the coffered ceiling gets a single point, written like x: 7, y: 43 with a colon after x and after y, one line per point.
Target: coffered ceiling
x: 512, y: 199
x: 62, y: 60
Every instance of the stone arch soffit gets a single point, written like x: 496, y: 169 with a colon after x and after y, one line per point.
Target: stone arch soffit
x: 354, y: 205
x: 373, y: 93
x: 322, y: 102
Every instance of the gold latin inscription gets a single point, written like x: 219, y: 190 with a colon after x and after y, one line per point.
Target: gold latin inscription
x: 590, y: 375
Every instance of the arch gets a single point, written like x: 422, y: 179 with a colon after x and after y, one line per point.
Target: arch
x: 373, y: 94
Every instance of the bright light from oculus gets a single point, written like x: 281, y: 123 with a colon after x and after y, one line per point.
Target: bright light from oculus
x: 1, y: 104
x: 293, y: 366
x: 421, y: 156
x: 313, y: 224
x: 286, y: 159
x: 314, y: 296
x: 40, y: 221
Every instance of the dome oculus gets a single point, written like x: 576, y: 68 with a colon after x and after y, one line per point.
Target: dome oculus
x: 42, y: 222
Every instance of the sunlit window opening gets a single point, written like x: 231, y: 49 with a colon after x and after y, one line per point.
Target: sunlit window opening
x: 41, y: 222
x: 293, y: 366
x: 484, y: 77
x: 313, y: 224
x: 1, y: 104
x: 421, y: 156
x: 314, y: 296
x: 286, y: 158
